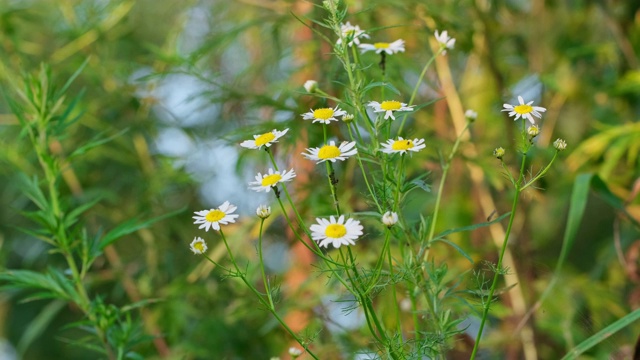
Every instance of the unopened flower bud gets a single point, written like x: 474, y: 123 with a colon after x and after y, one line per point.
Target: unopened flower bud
x: 311, y: 86
x: 348, y: 117
x: 470, y: 115
x: 533, y: 131
x: 389, y: 218
x: 499, y: 152
x: 294, y: 352
x: 560, y: 144
x: 263, y: 211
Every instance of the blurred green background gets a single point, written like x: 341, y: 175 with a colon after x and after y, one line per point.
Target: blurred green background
x: 189, y: 80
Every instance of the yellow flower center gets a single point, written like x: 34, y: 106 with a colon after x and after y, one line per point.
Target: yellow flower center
x: 523, y: 109
x: 349, y: 33
x: 323, y: 114
x: 215, y: 215
x: 271, y: 180
x: 390, y: 105
x: 335, y: 231
x: 328, y: 152
x: 381, y: 45
x: 199, y: 246
x: 402, y: 145
x: 265, y: 138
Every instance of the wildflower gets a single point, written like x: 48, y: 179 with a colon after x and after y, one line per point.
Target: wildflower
x: 265, y: 139
x: 390, y: 218
x: 445, y: 41
x: 214, y: 217
x: 324, y: 115
x: 263, y: 211
x: 499, y: 152
x: 348, y: 118
x: 351, y: 34
x: 267, y: 181
x: 560, y: 144
x: 311, y: 86
x: 533, y: 131
x: 294, y: 352
x: 389, y: 107
x: 524, y: 110
x: 198, y: 246
x: 402, y: 145
x: 470, y: 115
x: 334, y: 232
x: 387, y: 48
x: 332, y: 152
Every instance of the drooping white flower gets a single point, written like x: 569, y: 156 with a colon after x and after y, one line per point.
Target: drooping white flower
x: 351, y: 34
x: 311, y: 86
x: 336, y: 232
x: 445, y: 41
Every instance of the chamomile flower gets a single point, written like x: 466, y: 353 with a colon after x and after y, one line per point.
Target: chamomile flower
x: 388, y: 107
x: 263, y: 211
x: 334, y: 232
x: 323, y: 115
x: 524, y: 110
x: 402, y: 145
x: 267, y: 181
x: 351, y: 34
x: 214, y: 217
x: 560, y: 144
x: 331, y: 152
x: 265, y: 139
x: 311, y: 86
x: 198, y: 246
x: 390, y: 218
x: 388, y: 48
x: 445, y: 41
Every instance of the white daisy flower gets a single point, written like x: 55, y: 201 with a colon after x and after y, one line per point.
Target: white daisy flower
x: 263, y: 211
x: 265, y: 139
x: 402, y: 145
x: 445, y: 41
x: 267, y: 181
x: 524, y: 110
x: 324, y: 115
x: 198, y: 246
x: 331, y: 152
x: 389, y: 107
x: 351, y: 34
x: 388, y: 48
x: 470, y: 115
x: 214, y: 217
x: 334, y: 232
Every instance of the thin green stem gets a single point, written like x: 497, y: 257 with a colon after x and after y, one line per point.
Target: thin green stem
x: 267, y: 288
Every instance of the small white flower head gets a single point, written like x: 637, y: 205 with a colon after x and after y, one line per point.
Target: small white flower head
x: 214, y: 217
x: 402, y: 145
x: 470, y: 115
x: 275, y: 358
x: 560, y: 144
x: 445, y: 41
x: 348, y: 118
x: 389, y: 218
x: 533, y: 131
x: 311, y: 86
x: 388, y: 107
x: 265, y: 139
x: 524, y: 110
x: 294, y: 352
x: 331, y: 152
x: 334, y: 232
x: 263, y: 211
x: 499, y: 152
x: 198, y: 246
x: 388, y: 48
x: 351, y: 34
x: 267, y: 181
x: 324, y: 115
